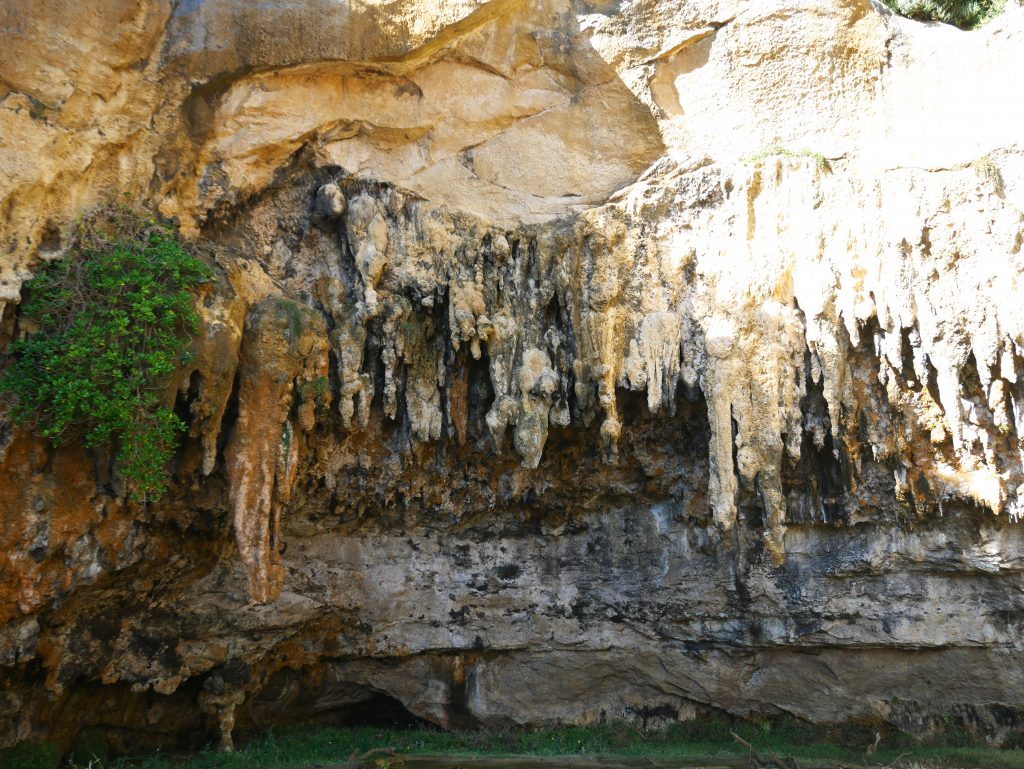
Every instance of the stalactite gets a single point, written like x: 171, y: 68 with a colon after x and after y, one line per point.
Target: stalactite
x: 284, y: 348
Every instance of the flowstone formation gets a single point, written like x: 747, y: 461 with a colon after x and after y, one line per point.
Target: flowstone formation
x: 675, y: 341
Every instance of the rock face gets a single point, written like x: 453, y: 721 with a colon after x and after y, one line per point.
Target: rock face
x: 568, y: 361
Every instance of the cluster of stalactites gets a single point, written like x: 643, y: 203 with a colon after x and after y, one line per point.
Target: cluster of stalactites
x: 918, y: 273
x: 751, y: 313
x: 768, y: 304
x: 562, y: 312
x: 494, y: 303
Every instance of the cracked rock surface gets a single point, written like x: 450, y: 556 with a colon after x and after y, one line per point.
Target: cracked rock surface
x: 567, y: 361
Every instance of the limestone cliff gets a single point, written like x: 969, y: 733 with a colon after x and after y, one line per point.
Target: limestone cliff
x: 676, y: 340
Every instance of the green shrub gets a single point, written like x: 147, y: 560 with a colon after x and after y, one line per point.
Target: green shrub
x: 966, y: 14
x: 110, y: 321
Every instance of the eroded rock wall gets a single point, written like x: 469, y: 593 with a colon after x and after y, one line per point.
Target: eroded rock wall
x: 674, y: 341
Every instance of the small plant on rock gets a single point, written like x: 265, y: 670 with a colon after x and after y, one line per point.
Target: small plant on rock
x: 987, y: 168
x: 966, y: 14
x: 109, y: 324
x: 778, y: 150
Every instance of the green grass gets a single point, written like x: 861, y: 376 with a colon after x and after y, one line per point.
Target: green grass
x: 696, y: 741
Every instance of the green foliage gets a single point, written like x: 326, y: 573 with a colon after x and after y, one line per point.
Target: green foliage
x: 966, y: 14
x: 316, y: 388
x: 779, y: 151
x: 292, y: 314
x: 110, y: 319
x: 316, y: 391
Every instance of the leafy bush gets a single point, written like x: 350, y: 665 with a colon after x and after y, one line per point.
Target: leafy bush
x: 110, y: 321
x: 966, y: 14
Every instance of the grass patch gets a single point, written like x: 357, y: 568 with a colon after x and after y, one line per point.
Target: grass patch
x: 966, y: 14
x: 820, y: 161
x: 703, y: 740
